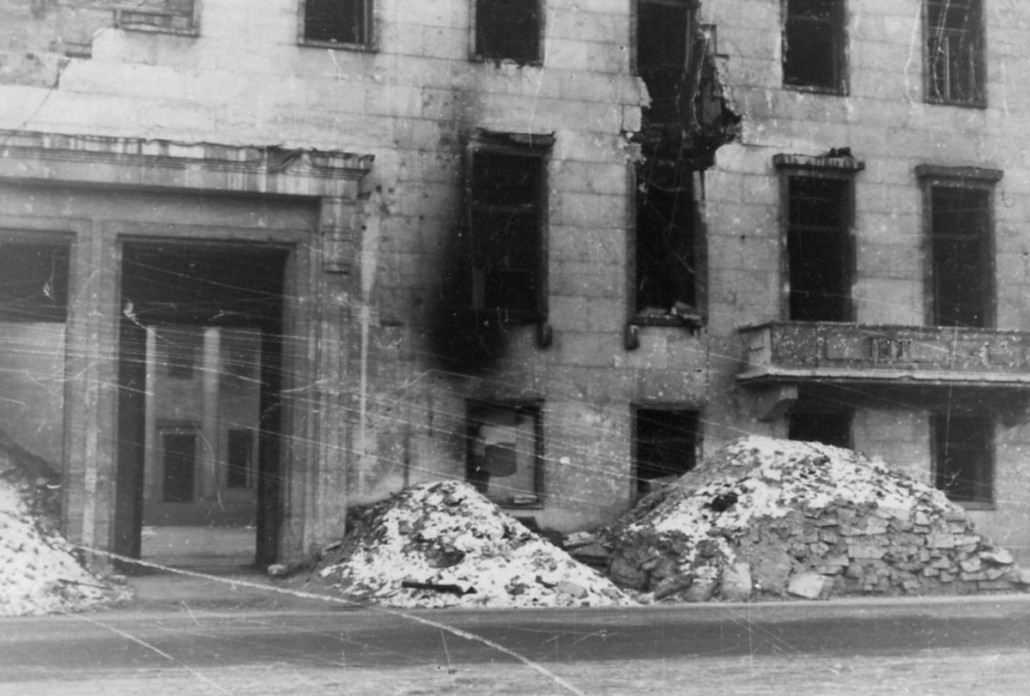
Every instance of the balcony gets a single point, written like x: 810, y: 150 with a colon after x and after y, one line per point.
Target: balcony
x: 799, y: 352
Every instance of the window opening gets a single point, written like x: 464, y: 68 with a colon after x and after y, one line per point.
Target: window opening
x: 179, y: 463
x: 960, y: 268
x: 818, y: 248
x: 337, y: 21
x: 954, y: 52
x: 240, y: 459
x: 34, y: 278
x: 813, y: 45
x: 816, y: 425
x: 505, y: 452
x: 666, y: 442
x: 663, y: 28
x: 666, y: 247
x: 963, y: 456
x: 506, y: 190
x: 508, y: 30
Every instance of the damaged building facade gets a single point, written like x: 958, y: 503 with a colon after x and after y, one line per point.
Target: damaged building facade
x: 263, y: 261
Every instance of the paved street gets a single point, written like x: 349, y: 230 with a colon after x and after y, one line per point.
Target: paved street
x: 180, y: 638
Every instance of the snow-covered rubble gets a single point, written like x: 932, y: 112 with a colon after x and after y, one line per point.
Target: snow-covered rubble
x: 39, y: 573
x: 443, y: 544
x: 765, y: 517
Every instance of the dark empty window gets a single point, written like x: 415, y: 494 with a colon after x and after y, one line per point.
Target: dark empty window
x: 508, y: 30
x: 818, y: 248
x: 954, y: 52
x: 963, y: 456
x: 665, y: 445
x: 505, y: 451
x: 813, y: 44
x: 337, y: 21
x: 666, y: 251
x: 662, y: 31
x: 179, y: 462
x: 827, y: 427
x: 239, y: 461
x: 506, y: 197
x: 960, y: 253
x: 33, y: 281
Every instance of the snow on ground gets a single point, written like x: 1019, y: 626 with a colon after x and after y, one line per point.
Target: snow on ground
x: 453, y: 547
x: 38, y: 572
x: 766, y: 517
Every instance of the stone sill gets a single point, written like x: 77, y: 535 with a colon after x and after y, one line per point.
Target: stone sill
x: 336, y: 45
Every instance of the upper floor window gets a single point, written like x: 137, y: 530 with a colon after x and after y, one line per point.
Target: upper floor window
x: 506, y: 182
x: 508, y: 30
x: 954, y: 52
x: 813, y: 45
x: 168, y: 16
x: 337, y: 21
x: 959, y: 245
x: 663, y: 28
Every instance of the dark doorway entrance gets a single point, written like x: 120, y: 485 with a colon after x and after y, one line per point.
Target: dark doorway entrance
x: 199, y: 408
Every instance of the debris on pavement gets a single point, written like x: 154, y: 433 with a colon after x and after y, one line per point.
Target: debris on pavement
x: 766, y: 518
x: 443, y: 545
x: 39, y: 571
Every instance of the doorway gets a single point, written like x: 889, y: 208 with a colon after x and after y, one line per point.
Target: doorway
x: 199, y: 406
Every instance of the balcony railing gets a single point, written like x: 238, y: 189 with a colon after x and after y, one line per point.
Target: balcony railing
x: 794, y: 352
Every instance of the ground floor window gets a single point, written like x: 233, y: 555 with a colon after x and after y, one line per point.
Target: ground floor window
x: 505, y: 451
x: 178, y: 464
x: 964, y: 456
x: 827, y: 427
x: 665, y: 445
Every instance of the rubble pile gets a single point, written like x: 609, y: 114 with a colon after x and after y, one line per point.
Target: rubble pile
x: 443, y: 544
x: 767, y: 518
x: 39, y: 572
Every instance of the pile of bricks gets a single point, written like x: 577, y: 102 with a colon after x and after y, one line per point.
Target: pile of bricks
x: 747, y: 530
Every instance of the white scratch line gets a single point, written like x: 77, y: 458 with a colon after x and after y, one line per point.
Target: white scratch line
x: 338, y: 600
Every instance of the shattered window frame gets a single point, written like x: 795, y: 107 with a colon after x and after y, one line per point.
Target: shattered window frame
x: 160, y: 16
x: 963, y: 456
x: 958, y: 184
x: 508, y: 30
x: 507, y: 239
x: 954, y: 53
x: 353, y: 29
x: 825, y: 36
x: 664, y: 439
x: 654, y: 251
x: 662, y: 71
x: 481, y: 413
x: 801, y: 301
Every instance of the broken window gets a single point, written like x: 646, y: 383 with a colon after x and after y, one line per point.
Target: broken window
x: 240, y: 458
x: 508, y: 30
x: 817, y: 418
x: 337, y: 21
x: 813, y: 45
x: 505, y: 452
x: 818, y: 248
x: 34, y: 277
x: 665, y: 445
x: 663, y: 28
x: 963, y: 456
x: 179, y: 465
x: 506, y: 194
x: 954, y: 52
x: 666, y: 246
x: 960, y: 255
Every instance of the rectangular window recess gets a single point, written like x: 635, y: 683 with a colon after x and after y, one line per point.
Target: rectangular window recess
x: 665, y: 445
x: 161, y: 16
x: 345, y: 24
x: 814, y: 43
x: 508, y: 30
x: 964, y: 457
x: 504, y: 455
x: 954, y: 52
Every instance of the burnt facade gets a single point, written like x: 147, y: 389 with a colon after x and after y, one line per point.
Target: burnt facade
x: 259, y: 264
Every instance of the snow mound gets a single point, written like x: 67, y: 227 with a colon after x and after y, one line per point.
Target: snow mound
x: 38, y: 572
x: 766, y: 517
x: 443, y: 545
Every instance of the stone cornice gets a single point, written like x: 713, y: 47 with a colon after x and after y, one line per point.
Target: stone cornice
x: 166, y: 164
